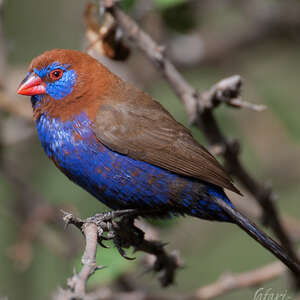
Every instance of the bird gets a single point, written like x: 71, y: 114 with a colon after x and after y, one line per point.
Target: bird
x: 124, y: 147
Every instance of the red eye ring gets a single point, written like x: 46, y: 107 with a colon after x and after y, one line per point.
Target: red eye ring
x: 56, y: 74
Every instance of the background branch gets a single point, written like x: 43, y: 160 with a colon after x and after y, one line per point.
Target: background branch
x: 230, y: 282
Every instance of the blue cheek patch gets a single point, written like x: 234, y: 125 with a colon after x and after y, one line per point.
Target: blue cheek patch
x: 62, y: 87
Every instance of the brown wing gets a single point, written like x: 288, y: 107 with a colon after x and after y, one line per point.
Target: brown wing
x: 141, y: 128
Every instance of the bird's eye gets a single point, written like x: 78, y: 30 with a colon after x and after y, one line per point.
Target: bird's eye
x: 56, y: 74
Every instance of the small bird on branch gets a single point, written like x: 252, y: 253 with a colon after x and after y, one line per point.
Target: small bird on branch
x: 123, y: 147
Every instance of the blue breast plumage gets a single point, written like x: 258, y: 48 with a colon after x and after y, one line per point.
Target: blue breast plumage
x: 119, y: 181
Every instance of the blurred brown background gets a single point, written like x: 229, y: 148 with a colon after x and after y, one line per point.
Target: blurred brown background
x: 208, y: 40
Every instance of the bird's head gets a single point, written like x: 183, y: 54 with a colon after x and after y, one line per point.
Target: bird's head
x: 59, y: 77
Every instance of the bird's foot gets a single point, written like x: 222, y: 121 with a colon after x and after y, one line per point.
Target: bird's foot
x: 111, y: 227
x: 126, y: 234
x: 119, y: 227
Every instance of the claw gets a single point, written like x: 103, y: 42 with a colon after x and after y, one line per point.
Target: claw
x: 105, y: 238
x: 66, y: 218
x: 66, y: 226
x: 103, y: 245
x: 128, y: 258
x: 123, y: 254
x: 121, y: 251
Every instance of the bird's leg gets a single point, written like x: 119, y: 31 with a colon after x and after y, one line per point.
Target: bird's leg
x: 111, y: 215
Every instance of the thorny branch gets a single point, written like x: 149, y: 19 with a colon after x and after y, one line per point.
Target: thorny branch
x: 199, y: 109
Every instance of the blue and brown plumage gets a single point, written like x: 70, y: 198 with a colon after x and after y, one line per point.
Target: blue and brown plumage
x: 119, y: 144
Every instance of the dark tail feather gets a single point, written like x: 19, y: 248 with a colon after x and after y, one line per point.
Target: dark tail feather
x: 260, y: 236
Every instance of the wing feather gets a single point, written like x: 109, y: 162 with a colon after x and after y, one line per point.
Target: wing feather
x: 138, y: 126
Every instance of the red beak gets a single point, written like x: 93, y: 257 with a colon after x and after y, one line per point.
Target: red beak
x: 32, y: 85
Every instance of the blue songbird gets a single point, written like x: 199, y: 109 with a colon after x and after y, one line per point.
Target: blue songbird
x: 121, y: 145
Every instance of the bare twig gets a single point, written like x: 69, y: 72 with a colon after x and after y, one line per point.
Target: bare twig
x: 78, y: 281
x: 201, y: 115
x: 227, y: 91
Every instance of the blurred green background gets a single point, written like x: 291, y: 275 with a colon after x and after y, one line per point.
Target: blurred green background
x: 208, y: 40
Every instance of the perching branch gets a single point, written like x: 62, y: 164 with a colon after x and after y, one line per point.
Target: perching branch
x: 78, y: 281
x: 125, y: 234
x: 119, y: 227
x: 199, y: 109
